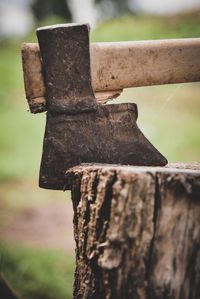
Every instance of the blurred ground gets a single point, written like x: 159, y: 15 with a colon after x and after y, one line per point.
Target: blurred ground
x: 36, y: 252
x: 44, y: 225
x: 36, y: 239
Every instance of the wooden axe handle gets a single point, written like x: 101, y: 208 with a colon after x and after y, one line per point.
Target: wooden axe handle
x: 33, y: 78
x: 119, y: 65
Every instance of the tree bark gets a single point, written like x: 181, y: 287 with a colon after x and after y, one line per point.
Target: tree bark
x: 137, y: 231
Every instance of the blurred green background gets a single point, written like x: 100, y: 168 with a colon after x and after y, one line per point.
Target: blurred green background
x: 169, y: 116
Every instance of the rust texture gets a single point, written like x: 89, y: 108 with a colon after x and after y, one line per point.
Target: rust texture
x: 137, y: 232
x: 66, y: 68
x: 34, y: 81
x: 108, y: 135
x: 77, y: 128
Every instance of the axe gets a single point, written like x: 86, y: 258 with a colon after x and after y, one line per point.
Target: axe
x: 70, y: 79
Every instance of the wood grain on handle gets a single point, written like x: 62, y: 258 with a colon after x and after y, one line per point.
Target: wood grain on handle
x: 119, y: 65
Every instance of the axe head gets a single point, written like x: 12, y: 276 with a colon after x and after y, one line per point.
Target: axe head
x: 108, y: 135
x: 78, y: 130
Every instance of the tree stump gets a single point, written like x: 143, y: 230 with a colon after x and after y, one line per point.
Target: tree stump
x: 137, y: 231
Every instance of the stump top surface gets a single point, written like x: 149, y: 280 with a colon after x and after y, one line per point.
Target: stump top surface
x: 187, y: 168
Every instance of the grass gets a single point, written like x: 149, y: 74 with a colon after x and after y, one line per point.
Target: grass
x: 37, y: 274
x: 147, y: 27
x: 168, y: 115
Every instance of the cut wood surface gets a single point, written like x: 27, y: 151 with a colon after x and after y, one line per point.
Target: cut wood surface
x: 119, y: 65
x: 137, y: 231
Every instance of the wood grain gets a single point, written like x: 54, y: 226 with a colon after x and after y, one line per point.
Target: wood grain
x: 137, y: 231
x: 119, y: 65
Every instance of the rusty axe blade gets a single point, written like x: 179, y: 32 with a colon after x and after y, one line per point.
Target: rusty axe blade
x: 108, y: 135
x: 77, y: 128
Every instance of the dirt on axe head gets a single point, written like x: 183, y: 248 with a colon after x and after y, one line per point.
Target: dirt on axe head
x: 78, y: 130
